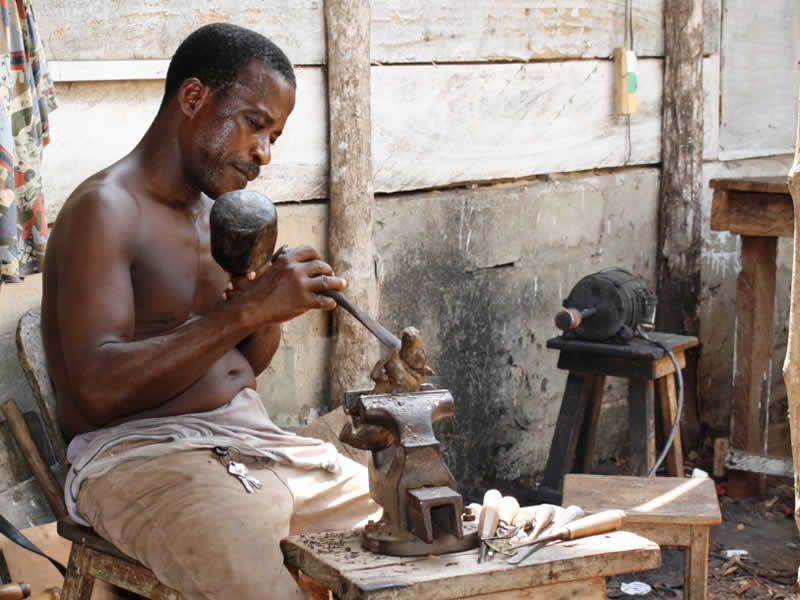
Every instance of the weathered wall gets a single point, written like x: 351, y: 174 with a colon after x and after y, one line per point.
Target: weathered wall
x: 759, y: 80
x: 481, y: 272
x: 460, y: 95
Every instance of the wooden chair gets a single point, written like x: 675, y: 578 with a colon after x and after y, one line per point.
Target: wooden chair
x: 91, y: 556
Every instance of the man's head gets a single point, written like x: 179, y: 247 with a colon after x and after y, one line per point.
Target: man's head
x: 230, y: 91
x: 216, y: 53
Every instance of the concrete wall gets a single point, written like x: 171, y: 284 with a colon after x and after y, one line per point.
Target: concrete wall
x: 503, y: 174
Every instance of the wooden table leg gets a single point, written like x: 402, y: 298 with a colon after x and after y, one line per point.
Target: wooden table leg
x: 641, y: 419
x: 755, y: 306
x: 77, y: 584
x: 668, y: 398
x: 568, y: 427
x: 695, y: 577
x: 595, y: 385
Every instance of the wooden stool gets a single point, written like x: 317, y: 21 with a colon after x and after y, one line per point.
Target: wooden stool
x: 589, y: 363
x: 671, y: 511
x: 577, y: 569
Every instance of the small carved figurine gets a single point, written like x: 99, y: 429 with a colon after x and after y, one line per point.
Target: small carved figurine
x: 402, y: 371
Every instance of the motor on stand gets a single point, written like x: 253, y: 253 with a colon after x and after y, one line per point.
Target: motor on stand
x: 614, y: 306
x: 610, y: 305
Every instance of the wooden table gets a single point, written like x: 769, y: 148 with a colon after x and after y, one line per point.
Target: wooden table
x: 760, y: 210
x: 672, y: 511
x: 576, y: 569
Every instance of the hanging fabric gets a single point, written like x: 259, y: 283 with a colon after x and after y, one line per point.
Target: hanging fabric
x: 26, y: 97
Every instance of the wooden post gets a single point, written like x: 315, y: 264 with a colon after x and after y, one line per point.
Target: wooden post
x: 791, y: 366
x: 352, y: 201
x: 679, y: 229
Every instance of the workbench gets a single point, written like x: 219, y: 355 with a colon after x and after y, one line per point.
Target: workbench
x: 575, y: 569
x: 760, y: 210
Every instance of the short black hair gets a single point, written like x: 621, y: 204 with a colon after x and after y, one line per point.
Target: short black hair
x: 216, y: 53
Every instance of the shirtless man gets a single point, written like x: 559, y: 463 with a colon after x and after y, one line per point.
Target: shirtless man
x: 154, y: 367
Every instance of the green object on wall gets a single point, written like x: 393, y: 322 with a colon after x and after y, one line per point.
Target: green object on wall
x: 633, y: 82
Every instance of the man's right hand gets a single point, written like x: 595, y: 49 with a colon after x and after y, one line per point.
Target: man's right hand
x: 286, y: 287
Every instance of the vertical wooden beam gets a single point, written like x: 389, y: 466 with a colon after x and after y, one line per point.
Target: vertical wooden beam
x: 755, y: 308
x: 352, y: 201
x: 679, y: 227
x: 791, y: 366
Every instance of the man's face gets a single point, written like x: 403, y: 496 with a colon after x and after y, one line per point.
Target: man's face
x: 233, y: 132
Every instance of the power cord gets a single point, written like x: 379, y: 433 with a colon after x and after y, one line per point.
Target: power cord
x: 679, y: 384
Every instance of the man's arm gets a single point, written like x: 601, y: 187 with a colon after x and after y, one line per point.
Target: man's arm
x: 259, y: 347
x: 111, y: 374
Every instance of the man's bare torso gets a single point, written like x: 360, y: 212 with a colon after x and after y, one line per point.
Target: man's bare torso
x: 173, y: 277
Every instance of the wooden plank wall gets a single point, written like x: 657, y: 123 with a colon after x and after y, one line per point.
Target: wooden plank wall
x: 434, y: 93
x: 760, y: 78
x: 411, y: 32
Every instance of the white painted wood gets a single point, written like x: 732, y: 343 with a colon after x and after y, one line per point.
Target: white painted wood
x: 759, y: 78
x: 446, y: 124
x: 412, y: 31
x: 711, y: 107
x: 432, y: 126
x: 739, y: 460
x: 454, y: 30
x: 130, y: 29
x: 98, y: 123
x: 107, y: 70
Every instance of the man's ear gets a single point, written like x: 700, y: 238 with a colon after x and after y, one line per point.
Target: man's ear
x: 192, y: 94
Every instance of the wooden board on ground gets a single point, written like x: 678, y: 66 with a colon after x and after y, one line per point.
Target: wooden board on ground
x: 336, y: 560
x: 740, y: 460
x: 416, y: 31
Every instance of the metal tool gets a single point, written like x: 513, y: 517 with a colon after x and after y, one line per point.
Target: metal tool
x: 243, y: 226
x: 602, y: 522
x: 422, y: 511
x: 542, y: 517
x: 385, y: 336
x: 525, y: 548
x: 488, y: 520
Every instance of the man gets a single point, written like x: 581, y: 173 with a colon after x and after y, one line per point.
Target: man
x: 155, y: 368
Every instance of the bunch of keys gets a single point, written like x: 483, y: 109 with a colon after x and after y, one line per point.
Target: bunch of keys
x: 237, y: 469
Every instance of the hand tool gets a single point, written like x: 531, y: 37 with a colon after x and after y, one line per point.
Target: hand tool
x: 243, y: 226
x: 602, y: 522
x: 542, y: 517
x: 488, y: 520
x: 571, y: 513
x: 524, y: 518
x: 385, y: 336
x: 14, y: 591
x: 507, y: 509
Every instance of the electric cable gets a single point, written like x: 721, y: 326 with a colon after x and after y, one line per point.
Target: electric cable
x: 679, y: 385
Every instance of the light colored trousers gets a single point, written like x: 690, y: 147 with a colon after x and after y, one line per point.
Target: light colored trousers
x: 196, y: 527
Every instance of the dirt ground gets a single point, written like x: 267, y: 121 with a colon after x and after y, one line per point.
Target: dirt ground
x: 763, y: 527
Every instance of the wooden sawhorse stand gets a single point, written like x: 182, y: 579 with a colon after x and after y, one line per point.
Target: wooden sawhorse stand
x: 646, y: 366
x: 577, y: 569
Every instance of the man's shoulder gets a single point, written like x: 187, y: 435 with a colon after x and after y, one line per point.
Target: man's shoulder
x: 100, y: 197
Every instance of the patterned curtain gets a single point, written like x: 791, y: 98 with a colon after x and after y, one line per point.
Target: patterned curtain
x: 26, y: 97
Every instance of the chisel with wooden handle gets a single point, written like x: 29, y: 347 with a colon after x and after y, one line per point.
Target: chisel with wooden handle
x: 561, y: 518
x: 602, y: 522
